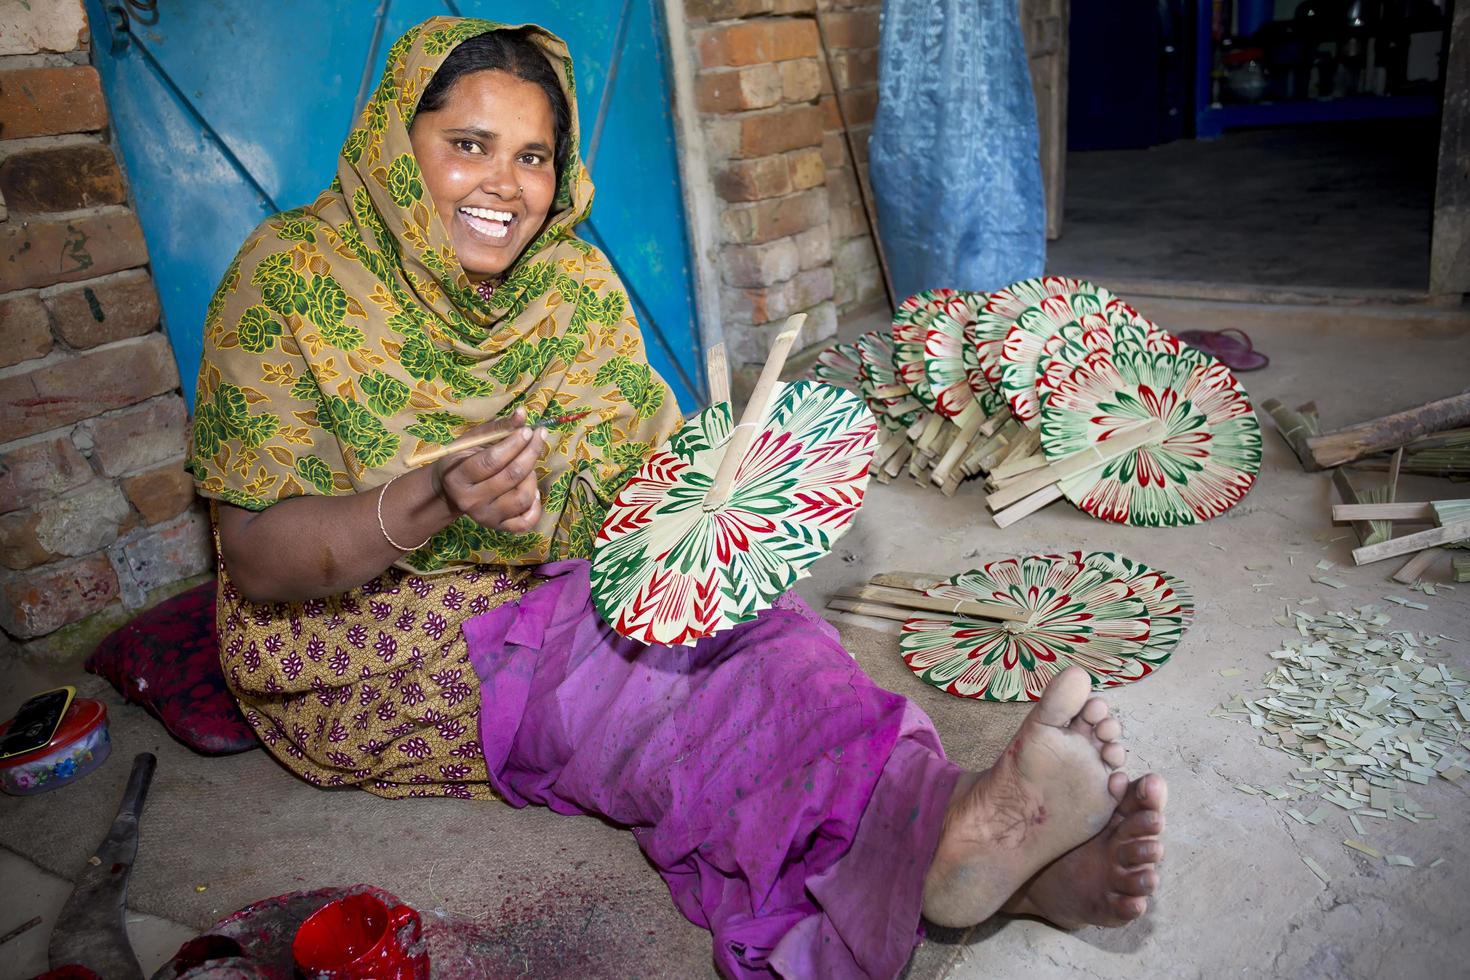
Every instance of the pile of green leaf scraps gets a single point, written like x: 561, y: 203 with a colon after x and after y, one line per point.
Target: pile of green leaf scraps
x: 1367, y: 714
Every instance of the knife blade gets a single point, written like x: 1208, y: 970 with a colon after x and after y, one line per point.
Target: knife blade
x: 92, y: 929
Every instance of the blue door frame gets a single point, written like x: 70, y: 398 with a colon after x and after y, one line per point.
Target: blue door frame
x: 223, y: 121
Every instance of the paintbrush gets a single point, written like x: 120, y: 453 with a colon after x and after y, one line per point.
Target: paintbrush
x: 488, y: 439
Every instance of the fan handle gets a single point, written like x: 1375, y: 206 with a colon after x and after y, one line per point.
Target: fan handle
x: 755, y: 415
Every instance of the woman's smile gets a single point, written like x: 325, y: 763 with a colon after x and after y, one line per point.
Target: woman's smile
x: 487, y: 224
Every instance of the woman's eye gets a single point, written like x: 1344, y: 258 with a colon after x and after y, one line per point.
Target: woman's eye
x: 467, y: 146
x: 532, y: 159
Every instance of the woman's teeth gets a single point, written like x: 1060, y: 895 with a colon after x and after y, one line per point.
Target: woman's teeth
x: 486, y: 221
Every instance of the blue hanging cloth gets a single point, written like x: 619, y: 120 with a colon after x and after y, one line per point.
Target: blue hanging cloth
x: 955, y: 159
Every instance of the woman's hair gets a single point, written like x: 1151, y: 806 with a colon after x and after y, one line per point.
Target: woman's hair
x: 514, y: 53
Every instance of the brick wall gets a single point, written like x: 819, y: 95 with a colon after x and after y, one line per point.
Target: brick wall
x: 96, y: 511
x: 792, y: 233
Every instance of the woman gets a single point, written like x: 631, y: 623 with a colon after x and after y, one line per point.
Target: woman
x: 429, y: 631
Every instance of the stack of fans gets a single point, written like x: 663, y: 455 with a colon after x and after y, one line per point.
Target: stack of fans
x: 1051, y: 388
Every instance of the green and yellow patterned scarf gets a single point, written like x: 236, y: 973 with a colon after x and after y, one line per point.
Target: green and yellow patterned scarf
x: 345, y: 337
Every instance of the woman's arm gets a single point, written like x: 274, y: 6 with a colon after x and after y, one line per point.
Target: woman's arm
x: 306, y: 547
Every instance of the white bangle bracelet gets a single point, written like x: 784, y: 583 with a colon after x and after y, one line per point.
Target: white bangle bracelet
x: 381, y: 494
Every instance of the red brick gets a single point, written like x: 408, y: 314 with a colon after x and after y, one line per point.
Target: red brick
x: 40, y: 470
x: 764, y: 221
x: 849, y: 222
x: 75, y: 388
x: 104, y: 310
x: 811, y: 287
x: 854, y: 69
x: 754, y: 266
x: 160, y: 493
x: 778, y: 130
x: 793, y: 6
x: 834, y: 150
x: 861, y: 105
x: 726, y: 9
x: 738, y: 89
x: 851, y: 29
x: 759, y: 305
x: 77, y: 524
x: 27, y: 330
x: 814, y: 246
x: 757, y: 42
x: 807, y: 169
x: 37, y: 602
x: 138, y: 438
x: 19, y: 548
x: 164, y: 553
x: 754, y: 180
x: 42, y: 253
x: 801, y: 80
x: 65, y: 178
x: 831, y: 117
x: 50, y: 101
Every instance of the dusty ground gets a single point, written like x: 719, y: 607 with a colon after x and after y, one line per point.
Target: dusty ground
x: 1237, y: 899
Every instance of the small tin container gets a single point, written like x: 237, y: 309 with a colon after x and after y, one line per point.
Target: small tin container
x: 80, y: 744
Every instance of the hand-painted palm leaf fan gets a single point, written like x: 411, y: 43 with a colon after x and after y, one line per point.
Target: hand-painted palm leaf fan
x: 1089, y: 309
x: 838, y: 365
x: 1071, y: 345
x: 961, y: 393
x: 1206, y: 459
x: 721, y: 521
x: 1004, y: 306
x: 1169, y: 602
x: 1078, y: 613
x: 910, y: 331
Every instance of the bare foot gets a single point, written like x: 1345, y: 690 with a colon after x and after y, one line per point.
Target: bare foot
x: 1106, y: 881
x: 1049, y: 792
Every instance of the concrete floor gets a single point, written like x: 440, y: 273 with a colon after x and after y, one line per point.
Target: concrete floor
x: 1237, y: 900
x: 1326, y: 206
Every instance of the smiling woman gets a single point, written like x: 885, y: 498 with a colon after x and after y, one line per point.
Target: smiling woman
x: 492, y: 188
x: 430, y: 631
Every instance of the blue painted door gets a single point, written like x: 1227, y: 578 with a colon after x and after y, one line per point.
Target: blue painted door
x: 230, y: 110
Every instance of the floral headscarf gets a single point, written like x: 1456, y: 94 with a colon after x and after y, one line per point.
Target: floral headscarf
x: 345, y: 336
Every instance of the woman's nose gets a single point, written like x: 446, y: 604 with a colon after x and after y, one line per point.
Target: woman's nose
x: 499, y: 179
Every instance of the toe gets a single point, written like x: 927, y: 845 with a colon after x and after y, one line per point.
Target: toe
x: 1063, y: 698
x: 1147, y: 793
x: 1127, y: 907
x: 1136, y: 853
x: 1118, y: 785
x: 1143, y: 823
x: 1114, y: 754
x: 1138, y: 883
x: 1094, y: 711
x: 1108, y: 730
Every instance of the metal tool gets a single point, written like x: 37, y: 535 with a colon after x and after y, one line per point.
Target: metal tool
x: 92, y: 929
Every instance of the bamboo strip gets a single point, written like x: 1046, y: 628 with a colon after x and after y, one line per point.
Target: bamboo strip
x: 718, y: 370
x: 1099, y: 455
x: 1368, y: 532
x: 1394, y: 547
x: 907, y: 580
x: 960, y: 447
x: 870, y: 609
x: 1295, y: 428
x: 908, y: 599
x: 1028, y: 506
x: 1416, y: 566
x: 1409, y: 513
x: 754, y: 415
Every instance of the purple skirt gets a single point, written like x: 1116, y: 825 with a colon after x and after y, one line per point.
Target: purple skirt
x: 792, y: 805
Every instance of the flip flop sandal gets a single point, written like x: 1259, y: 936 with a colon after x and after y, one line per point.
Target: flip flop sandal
x: 1236, y: 352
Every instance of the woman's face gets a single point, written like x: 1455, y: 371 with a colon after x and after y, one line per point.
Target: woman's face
x: 487, y: 155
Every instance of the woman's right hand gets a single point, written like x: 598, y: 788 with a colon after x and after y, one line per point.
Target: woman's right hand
x: 496, y: 485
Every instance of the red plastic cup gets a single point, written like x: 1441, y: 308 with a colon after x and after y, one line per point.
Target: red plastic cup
x: 360, y: 938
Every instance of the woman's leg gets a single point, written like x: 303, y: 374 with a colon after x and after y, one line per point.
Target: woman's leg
x: 792, y: 805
